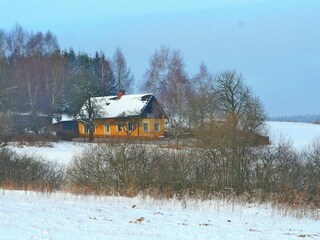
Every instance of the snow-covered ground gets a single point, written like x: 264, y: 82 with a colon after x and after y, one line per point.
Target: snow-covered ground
x: 61, y: 152
x: 301, y: 135
x: 29, y: 215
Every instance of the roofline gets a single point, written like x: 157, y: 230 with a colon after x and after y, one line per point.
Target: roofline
x: 152, y: 96
x: 107, y: 98
x: 146, y: 103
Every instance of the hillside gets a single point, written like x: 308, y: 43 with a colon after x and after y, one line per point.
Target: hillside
x: 29, y: 215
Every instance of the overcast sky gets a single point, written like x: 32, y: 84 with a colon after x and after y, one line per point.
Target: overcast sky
x: 275, y: 44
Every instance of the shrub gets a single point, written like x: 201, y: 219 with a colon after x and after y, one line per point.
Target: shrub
x: 28, y: 172
x: 44, y: 139
x: 311, y: 159
x: 274, y: 172
x: 126, y: 168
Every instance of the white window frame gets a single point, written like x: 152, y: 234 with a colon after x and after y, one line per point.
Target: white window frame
x: 119, y: 127
x: 107, y: 129
x: 146, y: 126
x: 86, y: 128
x: 131, y: 126
x: 154, y: 127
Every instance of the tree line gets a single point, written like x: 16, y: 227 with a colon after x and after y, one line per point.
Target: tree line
x: 37, y: 77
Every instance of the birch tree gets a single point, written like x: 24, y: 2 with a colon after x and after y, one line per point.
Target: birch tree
x: 105, y: 75
x: 174, y: 92
x: 123, y: 75
x: 157, y: 72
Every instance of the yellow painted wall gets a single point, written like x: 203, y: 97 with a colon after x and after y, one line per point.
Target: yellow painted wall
x: 100, y: 129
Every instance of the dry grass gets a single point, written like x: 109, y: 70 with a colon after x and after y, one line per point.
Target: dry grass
x: 34, y: 140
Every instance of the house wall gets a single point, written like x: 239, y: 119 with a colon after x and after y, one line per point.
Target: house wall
x: 24, y: 122
x: 66, y: 130
x: 139, y: 132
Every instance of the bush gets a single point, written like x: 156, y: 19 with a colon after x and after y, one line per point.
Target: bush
x: 312, y: 170
x: 44, y: 139
x: 275, y: 172
x: 27, y: 172
x: 127, y: 169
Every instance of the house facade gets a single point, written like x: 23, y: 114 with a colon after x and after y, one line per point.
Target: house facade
x: 26, y: 122
x: 125, y: 116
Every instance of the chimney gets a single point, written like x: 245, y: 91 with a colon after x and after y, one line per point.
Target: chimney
x: 121, y: 92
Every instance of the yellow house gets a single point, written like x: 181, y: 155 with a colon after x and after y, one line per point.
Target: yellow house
x: 125, y: 116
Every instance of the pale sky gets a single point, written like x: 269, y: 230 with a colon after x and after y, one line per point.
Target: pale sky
x: 275, y: 44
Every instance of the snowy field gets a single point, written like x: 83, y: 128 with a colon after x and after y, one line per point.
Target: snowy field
x: 301, y: 135
x: 61, y: 152
x: 29, y: 215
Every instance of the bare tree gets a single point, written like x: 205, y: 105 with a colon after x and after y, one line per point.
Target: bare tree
x: 5, y: 85
x: 51, y: 44
x: 31, y: 74
x: 232, y: 133
x: 237, y: 104
x: 167, y: 78
x: 123, y: 75
x: 35, y: 44
x: 88, y: 114
x: 16, y: 41
x: 129, y: 124
x: 103, y: 70
x: 157, y: 72
x: 86, y: 106
x: 202, y: 99
x: 57, y: 71
x: 176, y: 91
x: 3, y: 47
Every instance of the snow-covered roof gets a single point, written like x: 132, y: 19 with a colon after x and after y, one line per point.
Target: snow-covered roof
x: 127, y: 105
x: 62, y: 118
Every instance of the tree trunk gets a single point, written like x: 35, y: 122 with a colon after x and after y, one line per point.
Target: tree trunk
x: 91, y: 138
x: 91, y: 129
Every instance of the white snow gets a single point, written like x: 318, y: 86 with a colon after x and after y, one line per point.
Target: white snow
x: 61, y: 152
x: 301, y: 135
x: 30, y: 215
x: 127, y: 105
x: 63, y: 118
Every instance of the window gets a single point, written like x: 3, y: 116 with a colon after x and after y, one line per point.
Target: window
x: 146, y: 127
x: 107, y: 128
x: 131, y: 126
x: 86, y: 128
x: 119, y: 127
x: 156, y: 127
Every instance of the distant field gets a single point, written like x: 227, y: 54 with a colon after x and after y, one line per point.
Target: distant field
x: 300, y: 134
